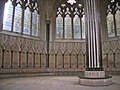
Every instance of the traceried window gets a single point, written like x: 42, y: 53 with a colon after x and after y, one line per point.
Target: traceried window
x: 17, y: 19
x: 8, y: 13
x: 113, y: 18
x: 27, y: 28
x: 70, y: 22
x: 21, y: 16
x: 59, y: 25
x: 68, y: 30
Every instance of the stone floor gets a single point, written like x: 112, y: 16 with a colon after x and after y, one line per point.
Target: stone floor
x: 52, y: 83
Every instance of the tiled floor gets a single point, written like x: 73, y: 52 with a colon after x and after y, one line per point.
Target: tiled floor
x: 52, y: 83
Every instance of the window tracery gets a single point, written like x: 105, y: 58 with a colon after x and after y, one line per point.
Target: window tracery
x: 113, y: 18
x: 70, y: 21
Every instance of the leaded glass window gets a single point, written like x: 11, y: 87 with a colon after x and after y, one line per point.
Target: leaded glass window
x: 110, y: 25
x: 8, y: 13
x: 27, y: 21
x: 68, y: 29
x: 34, y: 25
x: 70, y: 20
x: 35, y: 20
x: 17, y: 19
x: 113, y: 18
x: 21, y: 16
x: 59, y: 26
x: 83, y: 27
x: 117, y: 17
x: 77, y: 31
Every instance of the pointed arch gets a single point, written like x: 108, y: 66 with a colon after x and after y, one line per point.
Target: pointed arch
x: 52, y: 59
x: 59, y: 59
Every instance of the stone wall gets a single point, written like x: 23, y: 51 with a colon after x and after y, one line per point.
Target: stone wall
x: 18, y: 52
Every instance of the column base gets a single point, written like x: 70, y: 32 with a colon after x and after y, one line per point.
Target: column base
x: 95, y: 78
x: 94, y: 74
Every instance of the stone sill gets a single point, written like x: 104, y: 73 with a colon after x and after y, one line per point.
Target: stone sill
x: 19, y: 35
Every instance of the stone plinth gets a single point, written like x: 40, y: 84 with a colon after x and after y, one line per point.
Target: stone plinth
x: 95, y: 78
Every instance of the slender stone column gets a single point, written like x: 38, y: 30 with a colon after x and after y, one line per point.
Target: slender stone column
x: 47, y: 40
x: 3, y: 57
x: 19, y: 64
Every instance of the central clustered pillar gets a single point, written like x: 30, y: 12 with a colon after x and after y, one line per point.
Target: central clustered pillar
x: 93, y: 39
x: 94, y: 73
